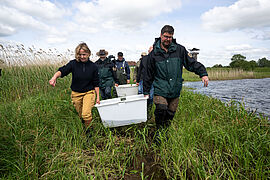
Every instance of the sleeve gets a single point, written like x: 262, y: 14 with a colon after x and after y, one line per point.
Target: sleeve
x: 139, y: 74
x: 149, y: 73
x: 192, y: 65
x: 127, y: 70
x: 66, y: 69
x: 96, y: 77
x: 114, y: 73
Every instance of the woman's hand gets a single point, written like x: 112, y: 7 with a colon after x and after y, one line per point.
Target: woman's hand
x: 52, y: 82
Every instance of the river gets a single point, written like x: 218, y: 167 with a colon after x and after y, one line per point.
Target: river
x: 254, y: 93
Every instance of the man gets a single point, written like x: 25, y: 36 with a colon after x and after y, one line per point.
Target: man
x: 122, y: 70
x: 164, y: 69
x: 107, y: 76
x: 139, y: 72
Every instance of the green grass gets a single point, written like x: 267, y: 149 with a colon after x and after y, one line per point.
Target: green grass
x: 42, y: 137
x: 229, y: 74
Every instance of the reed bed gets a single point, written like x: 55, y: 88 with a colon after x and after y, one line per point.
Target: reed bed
x: 226, y: 74
x: 43, y: 138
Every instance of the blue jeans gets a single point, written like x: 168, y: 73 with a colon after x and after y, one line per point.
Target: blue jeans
x: 151, y: 94
x: 106, y: 92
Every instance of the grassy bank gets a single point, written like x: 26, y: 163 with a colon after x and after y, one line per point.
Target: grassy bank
x: 229, y: 74
x: 42, y: 137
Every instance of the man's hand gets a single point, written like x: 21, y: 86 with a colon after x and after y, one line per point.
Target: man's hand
x: 116, y: 85
x: 128, y: 81
x: 205, y: 81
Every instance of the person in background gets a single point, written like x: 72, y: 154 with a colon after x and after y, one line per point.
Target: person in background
x: 139, y: 72
x: 84, y: 84
x: 122, y: 70
x: 164, y: 70
x: 107, y: 76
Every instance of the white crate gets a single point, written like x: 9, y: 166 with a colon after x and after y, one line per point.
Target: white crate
x: 127, y: 90
x: 123, y: 110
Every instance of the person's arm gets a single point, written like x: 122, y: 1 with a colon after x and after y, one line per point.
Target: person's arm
x: 52, y: 81
x: 194, y: 66
x: 62, y: 71
x: 97, y: 93
x: 149, y: 74
x: 128, y: 72
x: 116, y: 80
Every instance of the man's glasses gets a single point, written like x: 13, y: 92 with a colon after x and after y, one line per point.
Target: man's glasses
x: 167, y: 37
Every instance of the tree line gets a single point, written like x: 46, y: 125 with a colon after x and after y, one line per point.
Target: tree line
x: 239, y: 61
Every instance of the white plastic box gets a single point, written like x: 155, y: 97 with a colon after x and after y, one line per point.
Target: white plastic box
x: 123, y: 110
x: 127, y: 90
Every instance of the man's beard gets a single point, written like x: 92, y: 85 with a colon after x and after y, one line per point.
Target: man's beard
x: 166, y: 45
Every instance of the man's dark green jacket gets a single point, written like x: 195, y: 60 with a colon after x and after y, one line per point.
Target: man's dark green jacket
x: 164, y: 69
x: 106, y: 74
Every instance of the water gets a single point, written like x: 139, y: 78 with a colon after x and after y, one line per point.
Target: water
x: 254, y: 93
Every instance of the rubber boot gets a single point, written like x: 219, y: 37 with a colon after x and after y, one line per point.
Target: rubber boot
x: 169, y: 117
x: 160, y: 116
x: 149, y: 111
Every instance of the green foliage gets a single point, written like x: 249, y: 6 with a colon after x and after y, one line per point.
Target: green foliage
x: 217, y: 66
x: 238, y: 57
x: 238, y: 61
x: 263, y: 62
x: 42, y: 137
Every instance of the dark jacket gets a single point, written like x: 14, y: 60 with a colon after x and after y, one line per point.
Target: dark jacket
x: 84, y: 75
x: 106, y: 74
x: 165, y: 70
x: 123, y: 66
x: 141, y: 68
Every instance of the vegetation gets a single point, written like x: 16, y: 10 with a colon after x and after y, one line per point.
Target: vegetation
x: 229, y: 74
x: 239, y: 62
x: 43, y: 138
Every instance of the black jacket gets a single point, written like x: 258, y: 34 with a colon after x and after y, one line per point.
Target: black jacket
x: 141, y: 70
x: 84, y: 75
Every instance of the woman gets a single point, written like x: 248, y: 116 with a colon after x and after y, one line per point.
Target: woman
x: 85, y: 82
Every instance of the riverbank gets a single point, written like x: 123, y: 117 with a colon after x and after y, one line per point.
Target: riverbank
x: 42, y: 138
x: 229, y: 74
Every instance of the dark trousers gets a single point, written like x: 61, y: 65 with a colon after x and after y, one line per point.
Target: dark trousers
x: 165, y: 110
x: 106, y: 93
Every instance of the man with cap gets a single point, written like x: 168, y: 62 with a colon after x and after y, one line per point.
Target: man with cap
x: 122, y: 70
x: 107, y: 76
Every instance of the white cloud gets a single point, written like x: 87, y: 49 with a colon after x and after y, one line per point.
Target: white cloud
x: 121, y: 14
x: 41, y: 9
x: 6, y: 30
x: 242, y: 14
x: 241, y: 47
x: 13, y: 19
x: 248, y: 50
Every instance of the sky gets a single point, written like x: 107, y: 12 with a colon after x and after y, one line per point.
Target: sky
x: 219, y: 28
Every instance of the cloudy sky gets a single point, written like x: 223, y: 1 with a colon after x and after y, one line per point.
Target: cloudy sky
x: 219, y: 28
